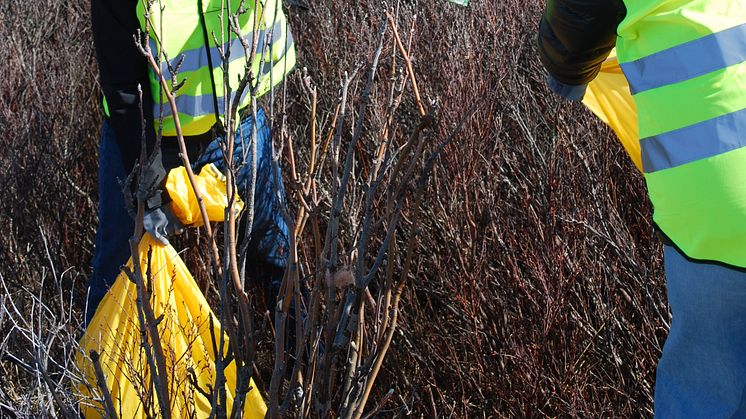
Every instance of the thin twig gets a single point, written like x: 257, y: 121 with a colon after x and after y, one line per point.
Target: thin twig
x: 101, y: 381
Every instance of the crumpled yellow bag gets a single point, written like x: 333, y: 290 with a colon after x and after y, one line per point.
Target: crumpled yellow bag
x: 114, y: 332
x: 211, y: 183
x: 608, y: 96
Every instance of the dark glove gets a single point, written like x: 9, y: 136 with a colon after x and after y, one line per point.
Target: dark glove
x: 161, y: 223
x: 574, y: 93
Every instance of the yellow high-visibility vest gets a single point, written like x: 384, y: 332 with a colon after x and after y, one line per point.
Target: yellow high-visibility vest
x: 685, y: 61
x: 184, y: 33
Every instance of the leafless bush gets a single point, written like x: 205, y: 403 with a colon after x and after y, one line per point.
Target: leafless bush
x: 49, y: 118
x: 538, y: 284
x: 535, y: 282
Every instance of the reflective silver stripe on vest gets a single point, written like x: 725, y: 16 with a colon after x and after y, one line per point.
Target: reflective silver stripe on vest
x: 687, y: 61
x: 203, y: 105
x: 705, y: 139
x: 196, y: 58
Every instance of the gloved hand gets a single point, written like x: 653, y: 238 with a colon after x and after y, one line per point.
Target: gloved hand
x: 571, y: 92
x: 161, y: 223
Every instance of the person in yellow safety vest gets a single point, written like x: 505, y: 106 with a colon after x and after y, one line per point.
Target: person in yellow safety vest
x: 184, y: 33
x: 685, y: 61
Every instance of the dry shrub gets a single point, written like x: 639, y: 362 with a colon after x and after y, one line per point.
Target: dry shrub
x: 49, y: 125
x: 537, y: 288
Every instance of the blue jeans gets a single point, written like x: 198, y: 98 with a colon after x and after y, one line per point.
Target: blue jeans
x: 269, y: 234
x: 702, y: 372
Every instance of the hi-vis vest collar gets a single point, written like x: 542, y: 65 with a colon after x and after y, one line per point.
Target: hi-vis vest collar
x: 686, y: 65
x: 185, y: 35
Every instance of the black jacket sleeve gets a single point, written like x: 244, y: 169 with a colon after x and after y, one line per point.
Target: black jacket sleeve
x: 576, y: 36
x: 122, y: 68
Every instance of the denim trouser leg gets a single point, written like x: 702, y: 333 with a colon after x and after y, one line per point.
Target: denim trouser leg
x: 702, y: 372
x: 268, y: 243
x: 115, y: 227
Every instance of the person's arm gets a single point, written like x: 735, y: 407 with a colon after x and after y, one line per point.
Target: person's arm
x: 575, y: 37
x: 121, y: 68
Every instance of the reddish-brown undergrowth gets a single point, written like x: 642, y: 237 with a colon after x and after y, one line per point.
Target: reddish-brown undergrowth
x: 537, y: 287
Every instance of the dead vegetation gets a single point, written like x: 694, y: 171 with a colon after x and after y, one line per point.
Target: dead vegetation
x: 533, y: 286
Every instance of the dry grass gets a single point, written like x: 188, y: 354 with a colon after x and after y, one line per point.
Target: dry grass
x: 537, y: 287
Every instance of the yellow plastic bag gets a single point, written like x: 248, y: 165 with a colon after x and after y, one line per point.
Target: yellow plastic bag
x: 609, y: 97
x: 211, y: 184
x: 184, y: 330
